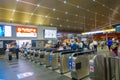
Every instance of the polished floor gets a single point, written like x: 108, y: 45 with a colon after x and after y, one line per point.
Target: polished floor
x: 9, y: 70
x: 19, y: 69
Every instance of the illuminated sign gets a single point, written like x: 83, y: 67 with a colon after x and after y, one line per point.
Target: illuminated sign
x: 26, y: 31
x: 5, y: 31
x: 50, y: 33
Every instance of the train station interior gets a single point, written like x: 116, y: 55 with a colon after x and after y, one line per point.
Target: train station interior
x: 59, y: 39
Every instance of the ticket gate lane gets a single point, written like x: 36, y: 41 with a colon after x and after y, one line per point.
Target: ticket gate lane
x: 80, y: 65
x: 65, y: 61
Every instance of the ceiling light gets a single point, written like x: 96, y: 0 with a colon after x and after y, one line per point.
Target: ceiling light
x: 103, y: 5
x: 54, y: 9
x: 31, y: 14
x: 60, y: 25
x: 66, y: 12
x: 76, y: 15
x: 65, y: 2
x: 46, y: 16
x: 13, y: 10
x: 51, y: 24
x: 38, y: 5
x: 58, y: 18
x: 67, y: 20
x: 94, y: 0
x: 78, y: 6
x: 40, y: 23
x: 11, y: 19
x: 17, y: 0
x: 27, y: 21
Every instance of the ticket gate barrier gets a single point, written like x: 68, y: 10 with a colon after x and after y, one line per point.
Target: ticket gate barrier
x: 80, y: 64
x: 42, y: 55
x: 98, y: 68
x: 114, y: 68
x: 48, y: 57
x: 55, y: 58
x: 66, y: 61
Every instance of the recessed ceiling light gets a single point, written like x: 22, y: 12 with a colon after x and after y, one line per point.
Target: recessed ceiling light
x: 76, y: 15
x: 13, y: 10
x: 66, y: 12
x: 103, y: 5
x: 17, y: 0
x: 78, y: 6
x: 54, y: 9
x: 27, y: 21
x: 46, y: 16
x: 11, y: 19
x: 58, y: 18
x: 51, y: 24
x: 65, y: 2
x: 31, y: 14
x: 67, y: 20
x: 60, y: 25
x: 38, y: 5
x: 93, y: 0
x: 40, y: 23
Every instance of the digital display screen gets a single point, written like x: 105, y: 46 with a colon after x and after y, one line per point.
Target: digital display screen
x: 26, y: 31
x: 1, y: 31
x: 5, y: 31
x: 8, y: 31
x: 50, y: 33
x: 118, y: 28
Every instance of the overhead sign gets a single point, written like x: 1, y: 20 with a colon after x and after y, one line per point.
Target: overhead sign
x: 26, y: 31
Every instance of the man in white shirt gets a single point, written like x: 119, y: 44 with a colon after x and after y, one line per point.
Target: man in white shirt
x: 95, y: 45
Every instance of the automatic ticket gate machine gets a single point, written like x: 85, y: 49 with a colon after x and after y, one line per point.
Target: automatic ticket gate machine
x: 65, y: 61
x: 98, y: 67
x: 79, y: 65
x: 48, y: 57
x: 55, y: 58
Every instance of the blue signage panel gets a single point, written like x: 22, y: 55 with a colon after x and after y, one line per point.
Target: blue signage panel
x: 50, y: 58
x: 70, y: 62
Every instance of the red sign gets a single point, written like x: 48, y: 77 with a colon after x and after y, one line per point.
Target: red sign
x: 26, y: 31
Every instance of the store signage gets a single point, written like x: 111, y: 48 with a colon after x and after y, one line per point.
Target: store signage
x: 26, y: 31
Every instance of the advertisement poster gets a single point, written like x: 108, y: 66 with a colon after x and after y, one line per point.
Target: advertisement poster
x: 26, y: 31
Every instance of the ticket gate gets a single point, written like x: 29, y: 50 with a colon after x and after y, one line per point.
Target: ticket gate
x: 98, y: 68
x: 114, y: 68
x: 47, y: 57
x: 42, y: 55
x: 55, y: 58
x: 80, y: 64
x: 65, y: 61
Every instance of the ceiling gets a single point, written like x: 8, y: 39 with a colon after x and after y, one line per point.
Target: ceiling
x: 66, y: 15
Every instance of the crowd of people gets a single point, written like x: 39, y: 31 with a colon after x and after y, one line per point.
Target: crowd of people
x: 91, y: 44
